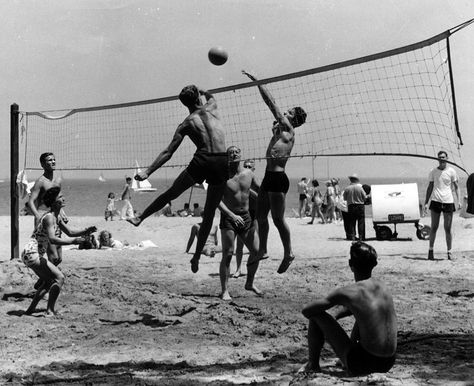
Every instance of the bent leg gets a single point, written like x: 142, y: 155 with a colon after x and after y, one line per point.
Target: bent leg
x: 323, y: 327
x: 213, y: 198
x: 183, y: 182
x: 277, y: 207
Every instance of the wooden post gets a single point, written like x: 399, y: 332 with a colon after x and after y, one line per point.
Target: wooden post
x: 14, y: 196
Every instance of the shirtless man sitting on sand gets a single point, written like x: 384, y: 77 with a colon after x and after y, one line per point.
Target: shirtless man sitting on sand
x: 236, y: 221
x: 373, y: 342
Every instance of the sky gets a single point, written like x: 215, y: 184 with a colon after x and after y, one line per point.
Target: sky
x: 61, y: 54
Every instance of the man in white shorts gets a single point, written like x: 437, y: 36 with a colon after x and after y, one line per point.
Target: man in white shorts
x: 442, y: 181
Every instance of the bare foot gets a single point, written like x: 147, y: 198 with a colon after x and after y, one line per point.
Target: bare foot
x: 251, y: 287
x: 51, y: 314
x: 285, y: 263
x: 134, y: 221
x: 309, y: 368
x: 237, y: 274
x: 194, y: 264
x: 225, y: 296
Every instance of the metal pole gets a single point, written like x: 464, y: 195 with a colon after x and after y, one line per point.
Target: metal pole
x: 14, y: 196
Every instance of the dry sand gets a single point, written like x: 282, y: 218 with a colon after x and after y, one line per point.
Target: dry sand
x: 140, y: 317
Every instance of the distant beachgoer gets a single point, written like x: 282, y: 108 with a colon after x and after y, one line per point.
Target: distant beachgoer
x: 110, y: 210
x: 302, y: 188
x: 212, y: 243
x: 197, y: 210
x: 442, y: 181
x: 47, y: 239
x: 209, y: 163
x: 106, y: 241
x: 127, y: 208
x: 355, y: 197
x: 237, y: 222
x: 317, y: 200
x: 372, y: 344
x: 275, y: 184
x: 342, y: 205
x: 186, y: 211
x: 239, y: 244
x: 330, y: 199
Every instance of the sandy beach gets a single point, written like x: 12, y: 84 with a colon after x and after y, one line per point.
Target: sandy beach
x: 138, y: 316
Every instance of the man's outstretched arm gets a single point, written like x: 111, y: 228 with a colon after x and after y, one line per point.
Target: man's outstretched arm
x: 164, y: 156
x: 267, y: 98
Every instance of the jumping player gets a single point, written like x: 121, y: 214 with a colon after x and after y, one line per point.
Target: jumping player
x: 275, y: 184
x: 209, y: 162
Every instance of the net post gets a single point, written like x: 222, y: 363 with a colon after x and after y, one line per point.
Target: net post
x: 14, y: 196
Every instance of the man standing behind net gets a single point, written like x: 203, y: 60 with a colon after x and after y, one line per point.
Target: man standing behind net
x: 355, y: 197
x: 209, y: 162
x: 45, y: 182
x: 275, y: 184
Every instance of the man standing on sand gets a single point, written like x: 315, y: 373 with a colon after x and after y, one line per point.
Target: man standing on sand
x: 236, y: 221
x: 302, y: 188
x: 239, y: 245
x: 209, y: 162
x: 373, y: 342
x: 355, y: 197
x: 127, y: 208
x: 42, y: 184
x: 442, y: 181
x: 275, y: 184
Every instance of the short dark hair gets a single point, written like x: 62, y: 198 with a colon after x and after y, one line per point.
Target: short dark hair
x: 300, y: 116
x: 128, y: 178
x: 189, y: 95
x: 315, y: 183
x: 363, y: 257
x: 51, y: 195
x: 443, y: 152
x: 44, y: 156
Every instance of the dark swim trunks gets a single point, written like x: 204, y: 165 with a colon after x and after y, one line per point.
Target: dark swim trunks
x: 360, y: 361
x: 275, y: 182
x: 212, y: 167
x: 228, y: 223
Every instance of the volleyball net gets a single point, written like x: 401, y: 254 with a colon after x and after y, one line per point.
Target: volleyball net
x: 397, y: 102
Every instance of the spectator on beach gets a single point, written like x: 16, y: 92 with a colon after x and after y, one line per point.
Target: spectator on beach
x: 239, y: 247
x: 197, y: 210
x: 372, y: 344
x: 211, y: 247
x: 317, y: 200
x: 330, y: 199
x: 127, y: 208
x: 106, y: 241
x: 275, y: 184
x: 302, y: 188
x: 342, y: 205
x: 110, y: 210
x: 337, y: 198
x: 442, y: 181
x: 237, y: 222
x: 46, y: 181
x: 47, y: 239
x: 186, y: 211
x: 355, y: 197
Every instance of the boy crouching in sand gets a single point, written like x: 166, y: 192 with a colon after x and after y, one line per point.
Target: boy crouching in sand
x: 373, y: 341
x: 46, y: 239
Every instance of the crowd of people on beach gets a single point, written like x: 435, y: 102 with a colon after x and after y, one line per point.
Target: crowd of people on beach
x: 245, y: 204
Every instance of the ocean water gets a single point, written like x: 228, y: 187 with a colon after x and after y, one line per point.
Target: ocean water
x: 88, y: 197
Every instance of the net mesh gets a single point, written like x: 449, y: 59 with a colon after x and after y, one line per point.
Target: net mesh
x: 398, y: 102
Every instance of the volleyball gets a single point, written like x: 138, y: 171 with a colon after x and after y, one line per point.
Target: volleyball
x: 217, y: 56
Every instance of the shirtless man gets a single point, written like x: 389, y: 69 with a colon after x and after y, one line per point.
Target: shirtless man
x: 373, y: 341
x: 209, y: 162
x: 236, y: 221
x: 275, y: 184
x: 42, y: 184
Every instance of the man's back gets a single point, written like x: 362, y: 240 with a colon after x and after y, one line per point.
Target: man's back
x: 372, y: 307
x: 204, y: 128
